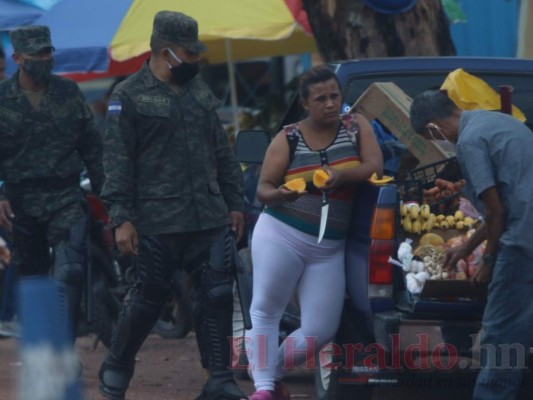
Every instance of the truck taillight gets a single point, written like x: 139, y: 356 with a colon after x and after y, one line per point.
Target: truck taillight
x: 382, y: 244
x: 382, y: 223
x: 380, y: 270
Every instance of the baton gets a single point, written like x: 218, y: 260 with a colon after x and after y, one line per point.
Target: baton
x: 242, y: 279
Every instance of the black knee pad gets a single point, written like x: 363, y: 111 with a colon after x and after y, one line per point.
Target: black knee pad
x: 213, y: 317
x: 216, y: 278
x: 69, y: 265
x: 70, y: 256
x: 216, y: 289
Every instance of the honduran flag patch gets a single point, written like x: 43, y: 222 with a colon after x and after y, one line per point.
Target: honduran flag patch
x: 114, y: 107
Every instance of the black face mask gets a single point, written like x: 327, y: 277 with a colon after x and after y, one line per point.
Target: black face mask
x: 183, y: 72
x: 38, y: 70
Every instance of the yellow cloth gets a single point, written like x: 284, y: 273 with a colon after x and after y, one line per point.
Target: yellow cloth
x: 469, y: 92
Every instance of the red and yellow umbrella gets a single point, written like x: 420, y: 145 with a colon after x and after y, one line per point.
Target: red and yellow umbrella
x: 100, y: 38
x: 233, y: 30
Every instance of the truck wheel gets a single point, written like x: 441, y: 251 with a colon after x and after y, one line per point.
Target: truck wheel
x: 323, y: 379
x: 328, y: 387
x: 328, y: 368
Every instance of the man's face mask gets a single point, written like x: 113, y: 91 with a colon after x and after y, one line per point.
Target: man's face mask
x: 444, y: 143
x: 183, y: 72
x: 38, y: 70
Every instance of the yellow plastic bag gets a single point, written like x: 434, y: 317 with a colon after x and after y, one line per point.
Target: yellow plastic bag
x: 469, y: 92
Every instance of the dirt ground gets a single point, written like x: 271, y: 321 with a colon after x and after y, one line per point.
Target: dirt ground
x: 166, y: 369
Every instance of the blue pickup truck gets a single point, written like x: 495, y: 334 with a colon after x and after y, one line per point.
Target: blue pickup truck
x: 388, y: 337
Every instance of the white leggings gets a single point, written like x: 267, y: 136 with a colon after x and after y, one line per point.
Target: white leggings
x: 285, y: 260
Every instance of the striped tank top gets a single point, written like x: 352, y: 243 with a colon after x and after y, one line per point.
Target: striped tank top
x: 304, y: 213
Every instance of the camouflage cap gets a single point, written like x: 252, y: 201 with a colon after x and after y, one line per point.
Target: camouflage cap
x: 178, y: 28
x: 30, y: 39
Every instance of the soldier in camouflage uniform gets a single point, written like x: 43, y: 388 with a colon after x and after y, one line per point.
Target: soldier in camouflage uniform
x: 172, y: 185
x: 47, y: 133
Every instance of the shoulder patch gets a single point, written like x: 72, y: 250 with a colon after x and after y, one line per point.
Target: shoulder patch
x: 114, y: 107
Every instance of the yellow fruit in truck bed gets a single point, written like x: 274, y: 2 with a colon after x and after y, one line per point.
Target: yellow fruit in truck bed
x: 432, y: 239
x: 417, y: 227
x: 425, y: 211
x: 320, y: 177
x: 298, y: 184
x: 413, y: 211
x: 468, y: 221
x: 451, y: 220
x: 407, y: 224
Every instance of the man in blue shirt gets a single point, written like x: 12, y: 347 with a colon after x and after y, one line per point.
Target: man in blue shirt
x: 494, y: 152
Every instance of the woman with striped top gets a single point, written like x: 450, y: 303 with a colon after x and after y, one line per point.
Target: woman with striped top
x: 285, y: 252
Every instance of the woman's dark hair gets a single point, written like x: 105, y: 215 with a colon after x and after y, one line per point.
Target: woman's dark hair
x: 321, y: 73
x: 429, y: 106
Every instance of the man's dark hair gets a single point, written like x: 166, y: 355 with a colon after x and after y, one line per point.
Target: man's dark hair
x: 2, y: 53
x: 322, y: 73
x: 429, y: 106
x: 157, y: 44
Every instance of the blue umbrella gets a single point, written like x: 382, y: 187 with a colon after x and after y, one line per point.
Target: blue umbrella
x: 81, y: 33
x: 14, y: 13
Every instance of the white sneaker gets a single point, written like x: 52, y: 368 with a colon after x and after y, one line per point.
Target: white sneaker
x: 9, y: 329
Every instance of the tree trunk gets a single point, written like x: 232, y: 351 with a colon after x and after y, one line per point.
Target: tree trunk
x: 346, y: 29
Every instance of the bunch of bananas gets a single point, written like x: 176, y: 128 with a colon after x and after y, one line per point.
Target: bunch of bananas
x: 418, y: 219
x: 456, y: 221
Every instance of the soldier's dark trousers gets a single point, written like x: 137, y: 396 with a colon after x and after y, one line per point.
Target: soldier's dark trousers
x: 56, y: 245
x: 158, y: 258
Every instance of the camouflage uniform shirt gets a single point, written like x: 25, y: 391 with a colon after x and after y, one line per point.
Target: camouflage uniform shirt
x: 168, y: 164
x: 48, y: 144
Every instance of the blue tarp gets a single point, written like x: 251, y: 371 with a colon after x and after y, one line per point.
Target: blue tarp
x: 490, y: 29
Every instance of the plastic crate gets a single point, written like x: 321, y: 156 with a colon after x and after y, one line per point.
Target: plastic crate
x: 409, y: 190
x: 424, y: 178
x: 446, y: 169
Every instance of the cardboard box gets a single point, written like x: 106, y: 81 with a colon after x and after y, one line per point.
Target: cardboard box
x: 390, y: 105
